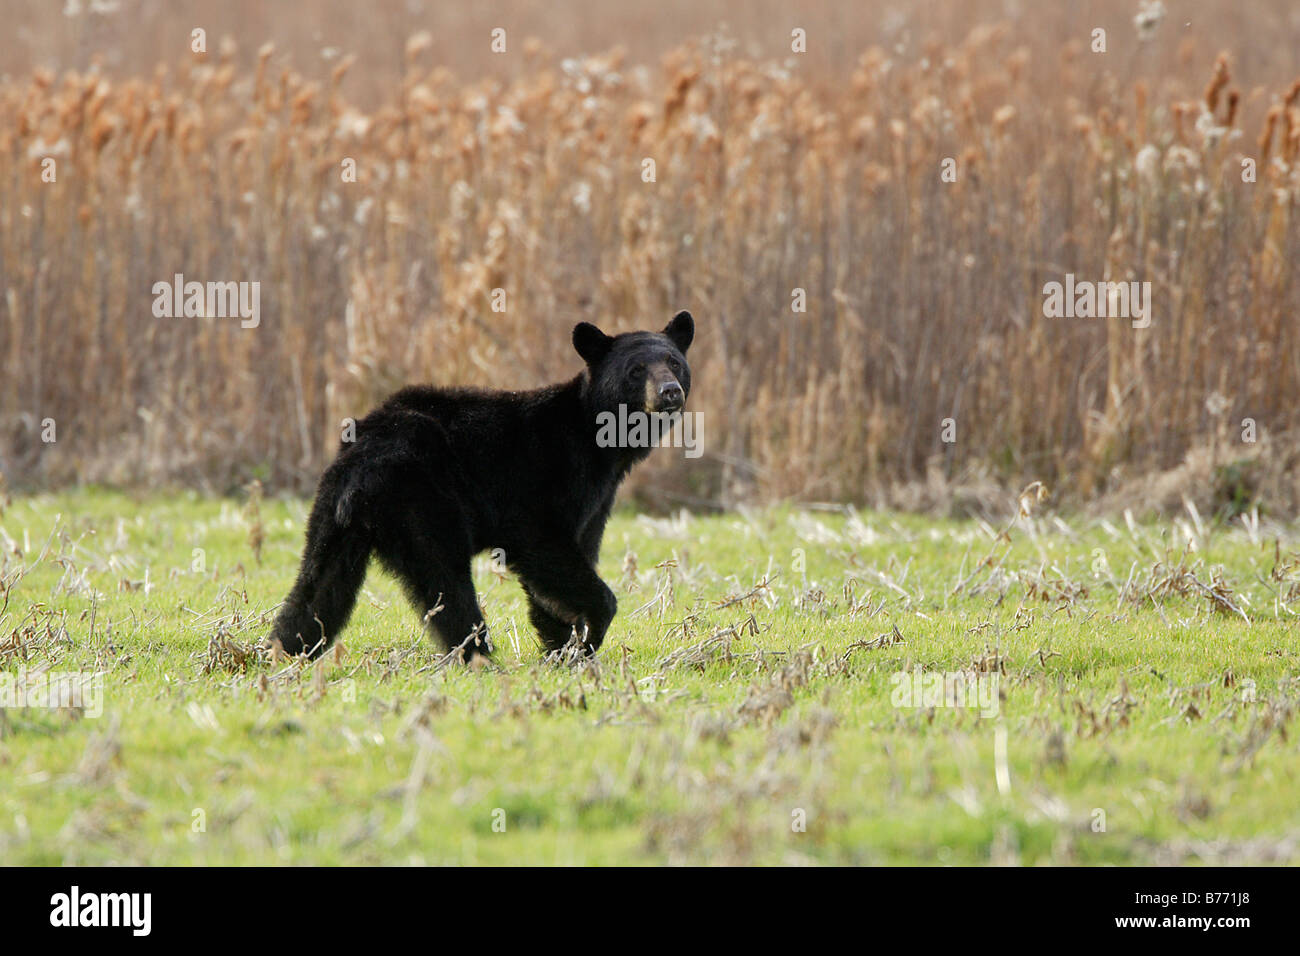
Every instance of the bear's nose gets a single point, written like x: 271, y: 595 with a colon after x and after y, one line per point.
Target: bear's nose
x: 671, y: 396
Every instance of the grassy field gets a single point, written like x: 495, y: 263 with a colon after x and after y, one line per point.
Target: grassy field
x: 742, y: 710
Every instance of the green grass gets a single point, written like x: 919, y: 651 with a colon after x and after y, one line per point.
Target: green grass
x: 720, y: 711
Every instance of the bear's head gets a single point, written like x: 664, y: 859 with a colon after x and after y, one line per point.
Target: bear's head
x: 644, y: 371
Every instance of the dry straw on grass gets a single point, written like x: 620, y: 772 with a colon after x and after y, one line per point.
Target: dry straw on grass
x: 924, y: 298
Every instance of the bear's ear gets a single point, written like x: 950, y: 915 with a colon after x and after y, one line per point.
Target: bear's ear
x: 592, y: 344
x: 681, y: 330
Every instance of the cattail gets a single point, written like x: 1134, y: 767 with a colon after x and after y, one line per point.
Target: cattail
x: 100, y: 133
x: 150, y: 134
x: 1291, y: 133
x: 676, y: 97
x: 417, y: 44
x: 1180, y: 111
x: 1266, y: 137
x: 341, y: 70
x: 1140, y: 101
x: 1217, y: 82
x: 264, y: 54
x: 301, y: 105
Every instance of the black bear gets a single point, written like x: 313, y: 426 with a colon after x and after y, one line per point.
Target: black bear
x: 436, y: 475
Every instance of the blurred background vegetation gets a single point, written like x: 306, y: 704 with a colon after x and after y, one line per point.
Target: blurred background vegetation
x: 775, y: 171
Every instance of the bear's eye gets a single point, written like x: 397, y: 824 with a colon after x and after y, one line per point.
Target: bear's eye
x: 636, y: 371
x: 675, y: 365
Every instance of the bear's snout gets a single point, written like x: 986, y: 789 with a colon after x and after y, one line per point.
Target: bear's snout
x: 671, y: 397
x: 663, y: 392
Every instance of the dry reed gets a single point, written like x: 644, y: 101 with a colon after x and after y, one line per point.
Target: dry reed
x: 923, y: 298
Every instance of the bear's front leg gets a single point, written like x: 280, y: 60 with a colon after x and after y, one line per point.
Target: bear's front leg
x: 553, y: 630
x: 564, y: 591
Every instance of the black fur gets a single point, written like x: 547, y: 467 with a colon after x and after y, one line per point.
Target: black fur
x: 437, y: 475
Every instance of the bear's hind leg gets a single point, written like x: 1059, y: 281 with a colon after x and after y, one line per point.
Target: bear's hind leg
x: 459, y: 624
x: 427, y: 553
x: 444, y: 598
x: 325, y: 592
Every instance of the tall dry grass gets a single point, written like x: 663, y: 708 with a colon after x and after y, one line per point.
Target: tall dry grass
x: 924, y: 298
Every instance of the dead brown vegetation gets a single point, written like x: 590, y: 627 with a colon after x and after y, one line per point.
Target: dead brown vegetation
x: 773, y: 173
